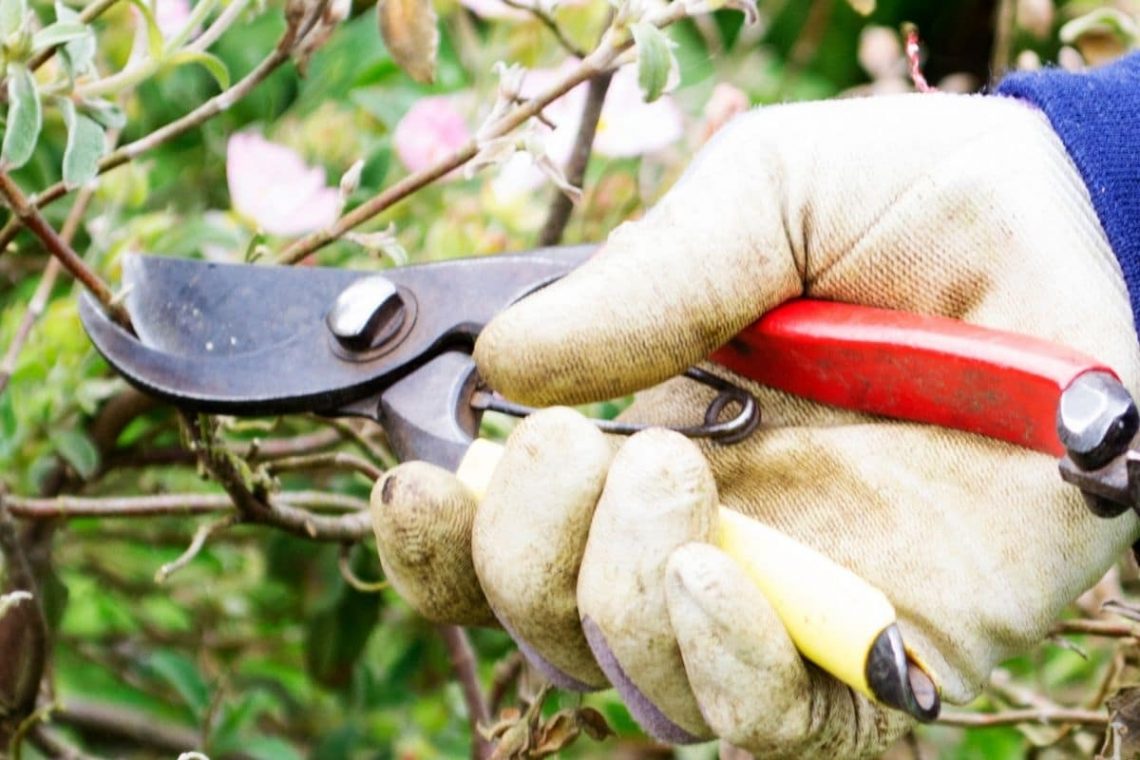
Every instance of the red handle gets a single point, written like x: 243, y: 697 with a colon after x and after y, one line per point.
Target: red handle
x: 926, y: 369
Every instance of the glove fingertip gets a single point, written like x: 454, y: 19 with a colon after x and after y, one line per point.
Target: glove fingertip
x: 749, y: 679
x: 422, y: 518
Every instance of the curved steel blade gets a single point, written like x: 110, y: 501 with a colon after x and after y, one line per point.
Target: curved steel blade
x: 246, y: 339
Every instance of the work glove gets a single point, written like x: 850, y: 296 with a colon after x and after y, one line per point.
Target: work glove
x: 597, y: 554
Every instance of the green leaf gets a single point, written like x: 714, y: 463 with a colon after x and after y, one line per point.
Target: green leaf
x: 12, y: 15
x: 180, y: 673
x: 238, y: 720
x: 77, y: 449
x: 25, y: 117
x: 9, y: 425
x: 657, y: 69
x: 336, y: 636
x: 59, y: 33
x: 270, y: 748
x: 155, y: 43
x: 86, y: 144
x: 211, y: 63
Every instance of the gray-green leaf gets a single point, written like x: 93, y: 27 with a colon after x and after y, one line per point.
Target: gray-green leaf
x: 77, y: 56
x: 109, y: 114
x: 12, y: 15
x: 85, y: 146
x: 657, y: 68
x: 59, y: 33
x: 25, y: 117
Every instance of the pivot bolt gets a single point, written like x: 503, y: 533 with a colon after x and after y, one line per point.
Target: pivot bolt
x: 366, y: 314
x: 1096, y: 420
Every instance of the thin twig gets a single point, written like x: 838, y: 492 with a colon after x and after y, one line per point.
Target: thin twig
x: 1047, y: 717
x: 203, y: 113
x: 1005, y: 23
x: 550, y: 23
x: 124, y: 724
x: 603, y: 58
x: 463, y: 661
x: 201, y: 536
x: 1106, y: 628
x: 351, y: 432
x: 43, y: 290
x: 224, y: 21
x: 333, y: 459
x: 560, y: 208
x: 351, y: 578
x: 807, y: 43
x: 182, y: 505
x: 503, y: 678
x: 60, y: 248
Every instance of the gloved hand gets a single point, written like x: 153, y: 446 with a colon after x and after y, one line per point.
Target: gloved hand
x: 966, y: 207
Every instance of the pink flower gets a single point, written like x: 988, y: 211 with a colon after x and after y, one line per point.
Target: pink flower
x: 432, y: 129
x: 273, y: 187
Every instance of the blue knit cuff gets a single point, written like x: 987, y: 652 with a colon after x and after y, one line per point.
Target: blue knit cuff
x: 1097, y: 116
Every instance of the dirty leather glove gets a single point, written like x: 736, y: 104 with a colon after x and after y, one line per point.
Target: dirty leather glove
x: 601, y: 564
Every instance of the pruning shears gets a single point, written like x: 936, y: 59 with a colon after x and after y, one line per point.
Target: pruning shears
x: 241, y: 339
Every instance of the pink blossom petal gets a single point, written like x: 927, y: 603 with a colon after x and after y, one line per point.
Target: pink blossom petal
x: 631, y: 127
x: 171, y: 16
x: 271, y: 185
x: 432, y: 129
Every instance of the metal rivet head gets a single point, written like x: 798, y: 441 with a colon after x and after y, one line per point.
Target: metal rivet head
x: 1096, y: 420
x: 367, y: 313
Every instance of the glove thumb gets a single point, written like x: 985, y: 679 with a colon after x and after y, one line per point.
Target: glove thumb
x: 661, y: 294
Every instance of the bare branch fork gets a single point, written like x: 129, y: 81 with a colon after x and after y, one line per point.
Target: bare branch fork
x: 253, y: 503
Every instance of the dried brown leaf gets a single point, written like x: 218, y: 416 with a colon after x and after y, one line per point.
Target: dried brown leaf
x: 513, y: 743
x: 410, y: 32
x: 555, y: 734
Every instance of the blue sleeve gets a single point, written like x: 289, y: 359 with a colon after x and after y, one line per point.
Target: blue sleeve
x: 1097, y: 116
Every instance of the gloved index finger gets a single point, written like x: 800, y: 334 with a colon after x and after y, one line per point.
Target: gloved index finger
x: 657, y: 298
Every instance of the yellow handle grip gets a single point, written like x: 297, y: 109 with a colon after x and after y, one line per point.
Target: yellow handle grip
x: 833, y: 616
